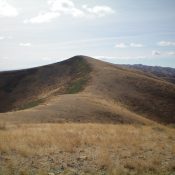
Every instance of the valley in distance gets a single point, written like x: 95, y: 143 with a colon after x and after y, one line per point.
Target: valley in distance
x: 83, y: 116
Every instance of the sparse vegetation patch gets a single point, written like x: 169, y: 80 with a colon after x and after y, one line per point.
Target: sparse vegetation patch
x: 31, y: 104
x: 77, y: 86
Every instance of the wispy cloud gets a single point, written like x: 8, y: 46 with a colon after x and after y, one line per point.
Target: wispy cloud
x: 99, y: 11
x: 119, y: 57
x: 172, y: 53
x: 121, y: 45
x: 166, y: 43
x: 2, y: 37
x: 163, y: 53
x: 156, y: 53
x: 136, y: 45
x: 5, y: 37
x: 25, y: 44
x: 125, y: 45
x: 43, y: 17
x: 67, y: 7
x: 7, y: 10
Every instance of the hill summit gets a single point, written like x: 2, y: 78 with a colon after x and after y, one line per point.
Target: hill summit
x: 83, y: 89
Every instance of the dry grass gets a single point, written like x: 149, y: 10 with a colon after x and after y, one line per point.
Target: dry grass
x: 3, y: 125
x: 104, y: 147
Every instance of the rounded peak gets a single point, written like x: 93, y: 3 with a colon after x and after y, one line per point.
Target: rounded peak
x: 80, y: 57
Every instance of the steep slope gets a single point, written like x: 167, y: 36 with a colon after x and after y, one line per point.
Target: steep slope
x: 105, y: 93
x: 27, y: 88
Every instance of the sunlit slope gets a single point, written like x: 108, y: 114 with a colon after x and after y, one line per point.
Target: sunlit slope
x: 137, y: 91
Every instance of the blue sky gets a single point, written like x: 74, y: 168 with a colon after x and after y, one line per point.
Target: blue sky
x: 34, y: 33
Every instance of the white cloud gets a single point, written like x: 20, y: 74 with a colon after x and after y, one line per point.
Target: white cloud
x: 121, y: 45
x: 162, y: 53
x: 124, y: 45
x: 43, y: 17
x: 119, y: 57
x: 98, y: 11
x: 61, y: 5
x: 132, y: 57
x: 5, y: 37
x: 2, y: 37
x: 103, y: 57
x: 67, y: 7
x: 166, y: 43
x: 171, y: 53
x: 156, y: 53
x: 47, y: 59
x: 25, y: 44
x: 7, y: 10
x: 136, y: 45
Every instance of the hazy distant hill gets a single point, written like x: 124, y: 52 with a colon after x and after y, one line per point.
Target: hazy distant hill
x: 166, y: 73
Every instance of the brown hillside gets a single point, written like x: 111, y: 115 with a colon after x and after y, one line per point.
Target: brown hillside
x: 135, y: 90
x: 25, y: 88
x: 104, y: 93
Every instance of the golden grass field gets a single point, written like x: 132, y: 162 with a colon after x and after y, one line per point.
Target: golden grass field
x: 86, y: 149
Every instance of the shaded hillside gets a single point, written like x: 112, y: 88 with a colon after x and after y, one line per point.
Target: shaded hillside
x: 113, y: 94
x: 26, y: 88
x: 165, y: 73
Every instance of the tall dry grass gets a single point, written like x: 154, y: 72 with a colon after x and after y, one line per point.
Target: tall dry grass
x: 132, y: 147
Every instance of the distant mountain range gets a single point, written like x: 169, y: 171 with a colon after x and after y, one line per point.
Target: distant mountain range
x: 165, y: 73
